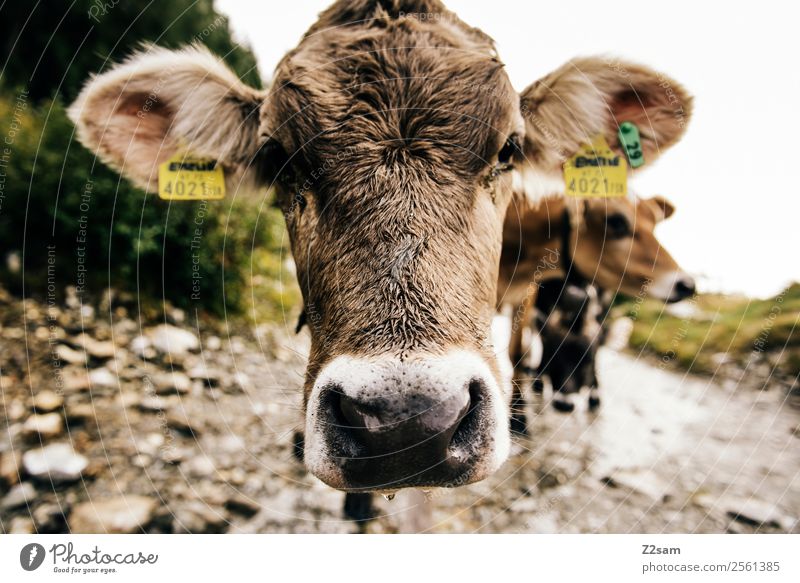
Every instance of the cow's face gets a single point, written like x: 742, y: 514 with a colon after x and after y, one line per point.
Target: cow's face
x: 392, y: 141
x: 615, y: 245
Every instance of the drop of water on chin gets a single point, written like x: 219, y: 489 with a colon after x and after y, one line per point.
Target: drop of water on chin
x: 388, y: 497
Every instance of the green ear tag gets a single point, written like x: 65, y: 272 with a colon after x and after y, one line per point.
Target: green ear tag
x: 629, y: 138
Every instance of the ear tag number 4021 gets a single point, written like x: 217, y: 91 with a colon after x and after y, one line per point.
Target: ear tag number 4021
x: 188, y: 178
x: 595, y: 171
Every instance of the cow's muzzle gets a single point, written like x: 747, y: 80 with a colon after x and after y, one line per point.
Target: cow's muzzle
x: 382, y: 424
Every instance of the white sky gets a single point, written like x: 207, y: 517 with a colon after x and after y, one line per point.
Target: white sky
x: 735, y: 176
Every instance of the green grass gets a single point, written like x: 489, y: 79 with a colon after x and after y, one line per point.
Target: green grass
x: 742, y: 329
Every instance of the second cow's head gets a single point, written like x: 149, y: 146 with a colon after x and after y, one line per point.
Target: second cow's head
x: 394, y: 144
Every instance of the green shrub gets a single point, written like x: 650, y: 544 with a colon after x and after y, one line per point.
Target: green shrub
x: 62, y: 208
x: 65, y: 219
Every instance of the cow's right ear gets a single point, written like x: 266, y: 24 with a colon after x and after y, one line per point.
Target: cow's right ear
x: 160, y: 102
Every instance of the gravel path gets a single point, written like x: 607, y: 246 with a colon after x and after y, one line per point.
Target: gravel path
x: 170, y: 428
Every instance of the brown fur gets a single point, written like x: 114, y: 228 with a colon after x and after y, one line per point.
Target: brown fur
x: 381, y: 132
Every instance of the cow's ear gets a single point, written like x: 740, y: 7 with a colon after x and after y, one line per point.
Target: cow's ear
x: 159, y: 102
x: 662, y: 208
x: 591, y: 96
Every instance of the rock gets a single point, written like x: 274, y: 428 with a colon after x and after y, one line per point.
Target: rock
x: 644, y: 481
x: 200, y: 466
x: 69, y: 355
x: 152, y: 404
x: 76, y: 381
x: 49, y: 518
x: 10, y: 467
x: 122, y: 515
x: 175, y: 382
x: 241, y: 504
x: 21, y: 525
x: 169, y: 339
x: 213, y: 343
x: 46, y: 401
x: 57, y: 462
x: 755, y: 512
x: 142, y: 347
x: 102, y: 378
x: 20, y: 495
x: 210, y: 376
x: 46, y: 426
x: 101, y: 350
x: 179, y: 420
x: 15, y: 411
x: 79, y: 413
x: 199, y: 517
x: 141, y: 461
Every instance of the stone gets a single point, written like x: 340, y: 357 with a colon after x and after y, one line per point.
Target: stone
x: 15, y: 411
x: 49, y: 518
x: 46, y: 425
x: 240, y: 504
x: 198, y: 517
x: 10, y: 467
x: 200, y: 466
x: 643, y: 481
x: 142, y: 347
x: 20, y: 495
x: 179, y: 420
x: 755, y: 512
x: 57, y: 462
x: 21, y: 525
x: 47, y: 401
x: 174, y: 382
x: 102, y: 378
x: 152, y: 404
x: 101, y: 350
x: 68, y: 355
x: 121, y: 515
x: 76, y: 381
x: 210, y: 376
x: 79, y: 413
x: 169, y: 339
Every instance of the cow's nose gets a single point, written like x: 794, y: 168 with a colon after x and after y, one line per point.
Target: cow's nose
x: 684, y: 288
x: 388, y: 425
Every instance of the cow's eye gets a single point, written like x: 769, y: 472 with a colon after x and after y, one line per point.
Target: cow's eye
x: 506, y: 155
x: 275, y: 163
x: 617, y: 226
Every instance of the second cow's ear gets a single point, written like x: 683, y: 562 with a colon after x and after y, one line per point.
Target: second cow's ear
x: 662, y: 208
x: 591, y: 96
x: 159, y: 102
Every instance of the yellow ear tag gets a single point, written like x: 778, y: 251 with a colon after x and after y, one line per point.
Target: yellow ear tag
x: 595, y: 171
x: 184, y: 177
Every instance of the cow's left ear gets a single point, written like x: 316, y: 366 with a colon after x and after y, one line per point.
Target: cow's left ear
x: 161, y: 102
x: 662, y: 208
x: 591, y: 96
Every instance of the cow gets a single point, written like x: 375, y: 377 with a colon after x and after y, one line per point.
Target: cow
x: 393, y: 140
x: 561, y: 264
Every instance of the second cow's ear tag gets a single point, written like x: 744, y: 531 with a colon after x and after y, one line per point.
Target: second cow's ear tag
x: 631, y: 142
x: 595, y: 171
x: 185, y: 177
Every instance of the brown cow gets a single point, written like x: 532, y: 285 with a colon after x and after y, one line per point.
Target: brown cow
x: 393, y: 136
x: 578, y: 250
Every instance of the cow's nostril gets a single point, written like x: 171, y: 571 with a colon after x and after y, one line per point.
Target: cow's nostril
x: 468, y: 425
x: 685, y: 288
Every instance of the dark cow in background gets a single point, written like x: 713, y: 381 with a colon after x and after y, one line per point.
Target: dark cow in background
x: 394, y: 142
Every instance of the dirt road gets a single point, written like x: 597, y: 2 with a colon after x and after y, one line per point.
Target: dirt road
x: 207, y: 447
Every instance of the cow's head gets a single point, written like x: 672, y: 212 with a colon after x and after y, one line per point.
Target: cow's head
x: 615, y: 246
x: 393, y: 137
